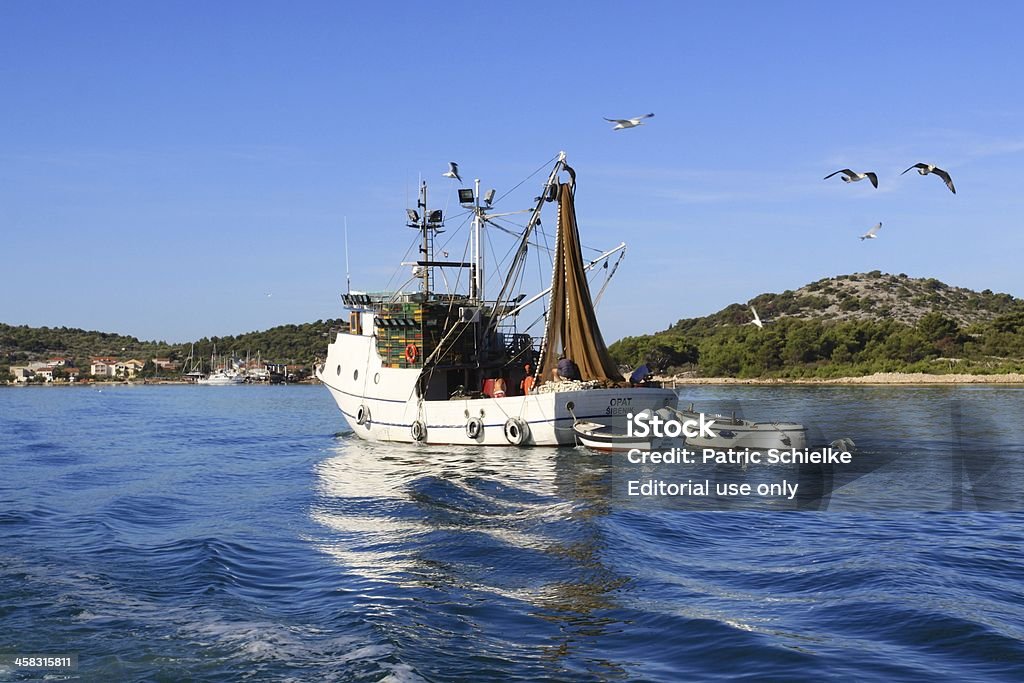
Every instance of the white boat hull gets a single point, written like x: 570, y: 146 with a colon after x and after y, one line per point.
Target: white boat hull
x: 598, y: 437
x: 746, y: 435
x: 380, y: 404
x: 219, y: 379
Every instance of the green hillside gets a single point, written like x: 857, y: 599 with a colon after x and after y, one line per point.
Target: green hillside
x: 848, y: 325
x: 292, y: 344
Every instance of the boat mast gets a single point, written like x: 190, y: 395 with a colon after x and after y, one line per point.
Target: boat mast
x: 425, y: 248
x: 348, y: 273
x: 429, y: 223
x: 477, y: 290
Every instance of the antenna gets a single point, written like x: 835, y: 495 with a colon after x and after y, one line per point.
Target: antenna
x: 348, y: 273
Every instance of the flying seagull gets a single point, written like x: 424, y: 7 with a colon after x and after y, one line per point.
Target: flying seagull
x: 871, y: 234
x: 852, y: 176
x: 453, y: 171
x: 925, y: 169
x: 756, y: 320
x: 628, y: 123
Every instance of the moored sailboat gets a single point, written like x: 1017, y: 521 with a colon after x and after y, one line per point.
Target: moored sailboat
x: 224, y: 375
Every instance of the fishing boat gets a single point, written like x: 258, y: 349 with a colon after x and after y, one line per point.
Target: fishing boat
x: 739, y: 434
x: 451, y: 366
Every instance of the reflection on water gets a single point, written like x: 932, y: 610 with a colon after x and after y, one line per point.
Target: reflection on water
x: 532, y: 556
x: 480, y: 526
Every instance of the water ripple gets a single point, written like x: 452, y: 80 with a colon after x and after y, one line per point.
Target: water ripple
x: 178, y: 533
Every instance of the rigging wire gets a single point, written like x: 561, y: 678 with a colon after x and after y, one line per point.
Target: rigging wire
x: 399, y: 269
x: 516, y: 234
x: 545, y: 165
x: 458, y: 280
x: 608, y: 279
x: 455, y: 233
x: 499, y: 264
x: 494, y: 222
x: 513, y: 279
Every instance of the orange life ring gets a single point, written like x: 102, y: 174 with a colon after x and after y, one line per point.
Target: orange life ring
x: 411, y: 353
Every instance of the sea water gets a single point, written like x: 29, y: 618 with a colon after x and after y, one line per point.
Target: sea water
x: 242, y: 533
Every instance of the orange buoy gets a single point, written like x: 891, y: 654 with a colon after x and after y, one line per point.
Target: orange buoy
x: 411, y: 353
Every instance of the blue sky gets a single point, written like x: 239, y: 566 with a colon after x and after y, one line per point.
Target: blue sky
x: 165, y: 166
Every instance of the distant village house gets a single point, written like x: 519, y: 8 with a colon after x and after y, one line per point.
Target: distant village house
x: 128, y: 368
x: 103, y: 367
x: 22, y: 374
x: 54, y: 369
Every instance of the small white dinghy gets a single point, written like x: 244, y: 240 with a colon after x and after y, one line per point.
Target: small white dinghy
x: 600, y: 438
x: 738, y: 434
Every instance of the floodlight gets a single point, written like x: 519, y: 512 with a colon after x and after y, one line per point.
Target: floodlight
x: 466, y: 196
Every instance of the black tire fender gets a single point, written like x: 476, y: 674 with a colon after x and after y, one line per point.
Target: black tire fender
x: 516, y: 431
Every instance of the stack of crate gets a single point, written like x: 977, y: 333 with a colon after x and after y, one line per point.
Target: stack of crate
x: 397, y: 326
